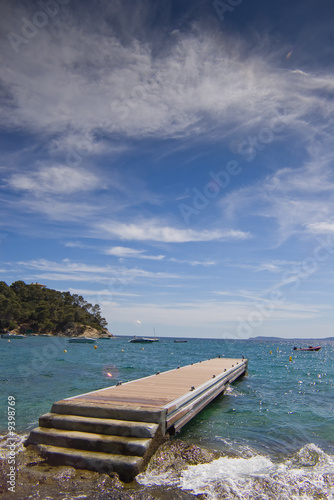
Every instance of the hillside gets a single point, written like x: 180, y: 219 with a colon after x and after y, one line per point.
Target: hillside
x: 38, y: 309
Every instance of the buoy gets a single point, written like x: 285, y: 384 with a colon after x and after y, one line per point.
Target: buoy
x: 8, y: 340
x: 65, y: 350
x: 95, y: 346
x: 142, y: 348
x: 122, y: 350
x: 290, y: 358
x: 270, y: 352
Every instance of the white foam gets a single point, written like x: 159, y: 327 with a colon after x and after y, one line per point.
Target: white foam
x: 199, y: 478
x: 308, y: 474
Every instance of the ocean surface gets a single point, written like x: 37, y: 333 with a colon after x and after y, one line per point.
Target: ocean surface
x: 274, y: 427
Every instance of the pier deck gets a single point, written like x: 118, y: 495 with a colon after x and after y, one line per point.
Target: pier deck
x: 118, y: 428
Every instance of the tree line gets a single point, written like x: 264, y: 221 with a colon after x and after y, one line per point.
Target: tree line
x: 42, y: 309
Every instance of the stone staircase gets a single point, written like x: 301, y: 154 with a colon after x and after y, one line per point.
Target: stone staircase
x: 96, y: 443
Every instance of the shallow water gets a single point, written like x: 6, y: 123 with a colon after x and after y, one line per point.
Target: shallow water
x: 281, y: 409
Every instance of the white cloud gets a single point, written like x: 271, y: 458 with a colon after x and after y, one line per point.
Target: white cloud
x: 202, y: 314
x: 153, y: 231
x: 124, y: 252
x: 55, y: 179
x: 101, y: 293
x: 199, y: 83
x: 205, y: 263
x: 115, y: 276
x: 321, y: 228
x: 296, y: 198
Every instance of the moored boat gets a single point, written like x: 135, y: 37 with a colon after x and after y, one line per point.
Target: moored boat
x: 309, y: 348
x: 81, y: 340
x: 143, y: 340
x: 12, y: 336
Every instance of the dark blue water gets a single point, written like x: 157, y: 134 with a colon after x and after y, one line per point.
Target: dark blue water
x: 279, y: 408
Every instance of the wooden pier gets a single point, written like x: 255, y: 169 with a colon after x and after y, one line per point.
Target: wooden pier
x: 120, y: 427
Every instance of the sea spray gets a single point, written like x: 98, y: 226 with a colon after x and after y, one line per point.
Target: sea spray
x: 307, y: 475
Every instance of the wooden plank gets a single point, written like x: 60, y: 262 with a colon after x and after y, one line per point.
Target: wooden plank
x: 164, y: 390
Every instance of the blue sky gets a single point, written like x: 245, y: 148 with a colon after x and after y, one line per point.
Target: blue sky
x: 172, y: 161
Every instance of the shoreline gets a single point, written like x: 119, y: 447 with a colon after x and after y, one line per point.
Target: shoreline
x: 179, y: 470
x: 35, y: 475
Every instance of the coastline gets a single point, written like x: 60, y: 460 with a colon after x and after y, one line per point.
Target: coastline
x: 35, y: 476
x: 179, y: 470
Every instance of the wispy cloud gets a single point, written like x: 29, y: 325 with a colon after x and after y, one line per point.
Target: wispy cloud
x: 153, y: 231
x: 105, y: 292
x: 76, y: 271
x: 125, y: 252
x: 321, y: 228
x: 55, y: 179
x: 296, y: 198
x: 135, y: 90
x: 202, y: 314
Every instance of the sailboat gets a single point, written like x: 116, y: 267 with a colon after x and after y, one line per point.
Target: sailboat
x: 144, y: 340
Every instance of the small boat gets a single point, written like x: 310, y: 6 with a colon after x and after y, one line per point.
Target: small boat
x: 142, y: 340
x: 180, y: 341
x: 81, y: 340
x: 309, y: 348
x: 12, y: 336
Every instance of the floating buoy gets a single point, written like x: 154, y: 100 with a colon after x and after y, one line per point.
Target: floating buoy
x: 290, y: 358
x: 122, y: 350
x: 142, y: 348
x: 8, y: 340
x: 65, y: 350
x: 270, y: 352
x: 95, y: 346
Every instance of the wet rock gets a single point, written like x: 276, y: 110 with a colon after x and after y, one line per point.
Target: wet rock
x: 177, y: 455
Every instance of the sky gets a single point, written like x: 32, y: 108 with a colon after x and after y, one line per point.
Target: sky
x: 172, y: 161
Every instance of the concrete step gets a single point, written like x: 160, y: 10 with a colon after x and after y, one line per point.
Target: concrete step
x: 110, y: 411
x: 89, y: 441
x: 99, y: 425
x: 127, y: 467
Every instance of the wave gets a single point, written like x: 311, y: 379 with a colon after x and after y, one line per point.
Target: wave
x: 306, y: 475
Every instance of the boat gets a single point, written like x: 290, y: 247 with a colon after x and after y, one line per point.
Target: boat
x: 142, y: 340
x: 180, y: 341
x: 12, y: 336
x: 309, y: 348
x: 81, y: 340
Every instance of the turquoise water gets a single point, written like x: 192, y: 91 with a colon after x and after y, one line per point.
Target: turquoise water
x: 279, y: 409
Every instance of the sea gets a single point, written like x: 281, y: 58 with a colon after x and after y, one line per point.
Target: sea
x: 273, y: 429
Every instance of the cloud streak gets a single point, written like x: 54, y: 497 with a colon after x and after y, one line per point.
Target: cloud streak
x: 152, y: 231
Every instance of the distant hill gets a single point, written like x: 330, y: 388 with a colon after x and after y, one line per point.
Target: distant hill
x: 292, y: 339
x: 34, y: 308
